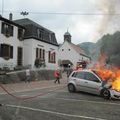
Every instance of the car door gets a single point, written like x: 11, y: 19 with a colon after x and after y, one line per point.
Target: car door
x: 79, y: 80
x: 92, y: 83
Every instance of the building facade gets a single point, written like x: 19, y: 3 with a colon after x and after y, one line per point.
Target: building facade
x: 11, y: 44
x: 71, y: 54
x: 26, y: 43
x: 40, y: 45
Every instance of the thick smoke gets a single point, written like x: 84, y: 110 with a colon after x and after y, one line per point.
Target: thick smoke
x: 108, y: 10
x: 108, y: 13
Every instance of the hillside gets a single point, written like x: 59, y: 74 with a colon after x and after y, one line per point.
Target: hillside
x: 108, y: 44
x: 88, y: 47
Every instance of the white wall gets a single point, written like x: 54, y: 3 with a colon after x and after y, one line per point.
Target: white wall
x: 71, y: 55
x: 30, y: 46
x: 13, y: 41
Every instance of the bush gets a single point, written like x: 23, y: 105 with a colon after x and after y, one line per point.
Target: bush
x: 39, y: 63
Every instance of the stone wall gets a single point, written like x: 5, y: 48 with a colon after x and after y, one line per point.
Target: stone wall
x: 17, y: 77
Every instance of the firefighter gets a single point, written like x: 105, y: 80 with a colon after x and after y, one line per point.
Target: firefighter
x: 57, y: 76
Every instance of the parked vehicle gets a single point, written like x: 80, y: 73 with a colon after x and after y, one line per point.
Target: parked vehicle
x: 89, y: 81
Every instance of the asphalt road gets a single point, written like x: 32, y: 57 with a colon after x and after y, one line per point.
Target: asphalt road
x: 56, y: 103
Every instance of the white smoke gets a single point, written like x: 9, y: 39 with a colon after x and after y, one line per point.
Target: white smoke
x: 108, y: 12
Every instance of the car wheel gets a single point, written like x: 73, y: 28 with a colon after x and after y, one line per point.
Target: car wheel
x: 71, y: 88
x: 105, y: 93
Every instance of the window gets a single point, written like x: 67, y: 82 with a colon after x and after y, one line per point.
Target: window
x: 20, y: 33
x: 52, y: 57
x: 46, y: 36
x: 80, y: 75
x: 7, y: 29
x: 74, y: 74
x: 40, y: 33
x: 37, y: 50
x: 19, y: 56
x: 6, y: 51
x: 40, y: 54
x: 91, y: 77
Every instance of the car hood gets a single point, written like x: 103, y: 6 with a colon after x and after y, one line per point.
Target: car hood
x: 106, y: 84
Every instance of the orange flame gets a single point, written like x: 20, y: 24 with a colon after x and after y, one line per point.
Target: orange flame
x: 116, y: 82
x: 111, y: 74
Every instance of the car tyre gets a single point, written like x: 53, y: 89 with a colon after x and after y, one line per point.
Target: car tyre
x: 71, y: 88
x: 105, y: 93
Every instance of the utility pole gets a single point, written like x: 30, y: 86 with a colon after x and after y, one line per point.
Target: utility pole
x: 2, y: 7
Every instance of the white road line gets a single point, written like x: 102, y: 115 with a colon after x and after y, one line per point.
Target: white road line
x: 76, y: 100
x: 28, y: 90
x: 53, y: 112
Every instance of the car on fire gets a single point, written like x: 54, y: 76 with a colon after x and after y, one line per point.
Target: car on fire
x: 89, y: 81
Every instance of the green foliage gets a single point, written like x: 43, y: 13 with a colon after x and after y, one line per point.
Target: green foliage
x: 87, y: 46
x: 110, y: 44
x: 39, y: 63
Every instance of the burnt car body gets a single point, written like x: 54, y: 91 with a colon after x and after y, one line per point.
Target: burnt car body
x: 88, y: 81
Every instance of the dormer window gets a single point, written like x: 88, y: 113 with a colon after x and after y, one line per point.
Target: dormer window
x: 46, y: 36
x: 7, y: 29
x: 40, y: 33
x: 20, y: 33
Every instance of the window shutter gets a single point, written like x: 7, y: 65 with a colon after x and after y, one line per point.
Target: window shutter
x: 11, y: 51
x: 43, y: 54
x: 20, y: 34
x: 6, y: 50
x: 49, y: 56
x: 36, y: 52
x: 40, y: 54
x: 10, y: 30
x: 3, y: 28
x: 0, y: 51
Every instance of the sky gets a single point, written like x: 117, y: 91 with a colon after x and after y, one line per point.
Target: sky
x: 86, y: 20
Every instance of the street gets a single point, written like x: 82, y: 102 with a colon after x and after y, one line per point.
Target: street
x: 54, y: 102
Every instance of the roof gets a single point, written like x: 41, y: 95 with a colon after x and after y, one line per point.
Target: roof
x: 32, y: 31
x: 67, y: 33
x: 11, y: 22
x: 66, y: 62
x: 27, y: 21
x: 78, y: 49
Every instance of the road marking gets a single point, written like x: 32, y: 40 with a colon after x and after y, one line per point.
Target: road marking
x: 28, y: 90
x: 76, y: 100
x: 16, y: 112
x: 53, y: 112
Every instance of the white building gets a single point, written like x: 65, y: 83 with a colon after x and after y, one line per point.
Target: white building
x: 24, y: 42
x: 70, y: 53
x: 11, y: 44
x: 39, y: 44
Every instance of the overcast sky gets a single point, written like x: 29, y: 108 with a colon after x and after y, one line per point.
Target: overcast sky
x: 90, y: 19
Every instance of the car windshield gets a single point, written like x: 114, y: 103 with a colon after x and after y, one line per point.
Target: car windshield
x: 95, y: 71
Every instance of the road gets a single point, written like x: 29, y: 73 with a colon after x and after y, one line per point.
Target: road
x: 54, y: 102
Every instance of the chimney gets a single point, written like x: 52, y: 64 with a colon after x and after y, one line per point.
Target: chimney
x: 10, y: 16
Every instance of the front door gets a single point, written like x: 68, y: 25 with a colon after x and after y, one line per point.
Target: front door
x: 19, y: 56
x: 92, y: 83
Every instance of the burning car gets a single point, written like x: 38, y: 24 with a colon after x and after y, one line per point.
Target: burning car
x: 95, y: 82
